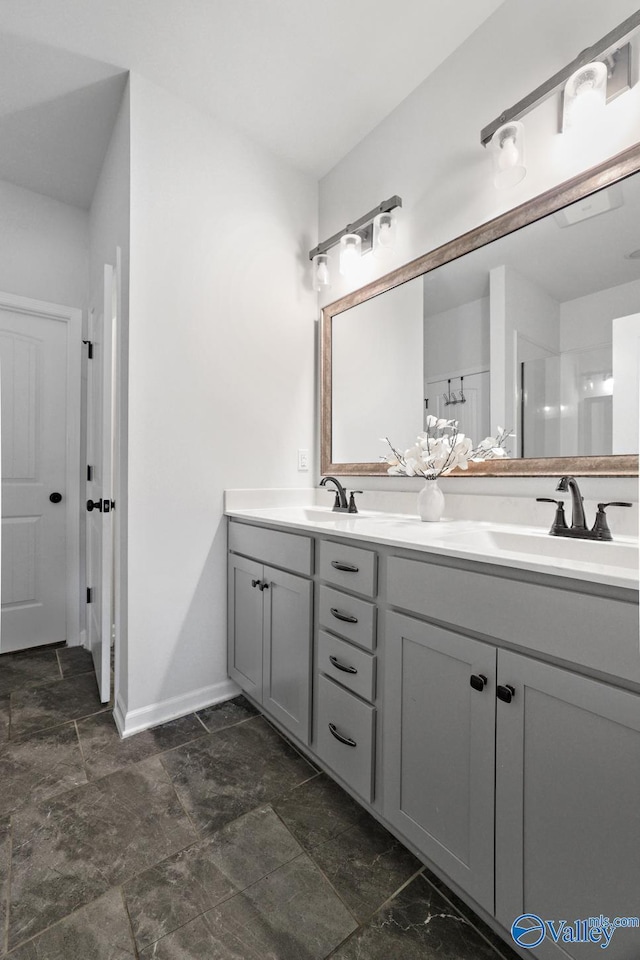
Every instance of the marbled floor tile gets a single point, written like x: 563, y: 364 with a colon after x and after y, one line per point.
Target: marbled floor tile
x: 39, y: 766
x: 104, y: 751
x: 292, y: 914
x: 186, y: 885
x: 418, y: 924
x: 298, y: 905
x: 318, y: 810
x: 74, y: 660
x: 27, y: 668
x: 366, y: 865
x: 226, y: 714
x: 4, y: 718
x: 99, y: 931
x: 5, y: 859
x: 460, y: 906
x: 232, y: 771
x: 53, y: 704
x: 252, y: 846
x: 195, y: 941
x: 70, y: 850
x: 178, y: 890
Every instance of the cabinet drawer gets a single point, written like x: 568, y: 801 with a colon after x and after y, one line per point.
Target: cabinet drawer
x: 348, y: 567
x: 346, y: 733
x: 287, y: 550
x: 346, y: 615
x: 348, y: 665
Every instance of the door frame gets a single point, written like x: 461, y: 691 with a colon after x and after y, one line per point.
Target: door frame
x: 72, y: 317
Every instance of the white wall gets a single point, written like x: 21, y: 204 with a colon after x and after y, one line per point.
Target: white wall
x: 221, y: 378
x: 456, y: 341
x: 586, y: 325
x: 109, y: 229
x: 375, y: 346
x: 43, y: 247
x: 428, y: 149
x: 586, y: 321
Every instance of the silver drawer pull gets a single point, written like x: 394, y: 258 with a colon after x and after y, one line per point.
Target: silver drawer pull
x: 348, y: 742
x: 341, y: 666
x: 345, y: 567
x: 346, y: 617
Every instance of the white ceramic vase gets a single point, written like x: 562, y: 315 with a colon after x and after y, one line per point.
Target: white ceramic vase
x: 430, y: 501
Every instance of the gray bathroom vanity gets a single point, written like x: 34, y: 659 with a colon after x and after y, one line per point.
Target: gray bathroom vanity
x: 483, y: 704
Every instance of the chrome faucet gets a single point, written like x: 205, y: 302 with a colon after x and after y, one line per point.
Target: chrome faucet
x: 578, y: 528
x: 340, y: 502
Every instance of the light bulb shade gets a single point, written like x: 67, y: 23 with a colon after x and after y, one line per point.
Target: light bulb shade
x: 585, y: 95
x: 384, y: 234
x: 350, y: 251
x: 508, y: 154
x: 321, y: 271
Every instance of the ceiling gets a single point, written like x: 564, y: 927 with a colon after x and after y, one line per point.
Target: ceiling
x: 306, y: 80
x: 57, y: 112
x: 566, y: 262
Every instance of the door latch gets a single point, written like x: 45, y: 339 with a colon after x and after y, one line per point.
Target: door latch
x: 104, y: 506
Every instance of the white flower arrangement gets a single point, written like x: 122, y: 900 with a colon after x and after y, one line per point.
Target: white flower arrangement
x: 441, y: 449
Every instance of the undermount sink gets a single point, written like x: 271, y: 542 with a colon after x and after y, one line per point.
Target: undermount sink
x: 535, y: 543
x: 327, y: 515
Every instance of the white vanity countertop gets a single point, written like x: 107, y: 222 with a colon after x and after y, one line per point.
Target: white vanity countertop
x: 510, y: 545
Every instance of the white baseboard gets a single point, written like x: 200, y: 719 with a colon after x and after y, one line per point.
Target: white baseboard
x: 129, y: 722
x: 119, y: 714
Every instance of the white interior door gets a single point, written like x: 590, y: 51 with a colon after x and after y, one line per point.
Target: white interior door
x: 33, y: 359
x: 100, y: 425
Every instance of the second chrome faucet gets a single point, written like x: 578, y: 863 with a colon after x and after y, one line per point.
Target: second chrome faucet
x: 578, y: 529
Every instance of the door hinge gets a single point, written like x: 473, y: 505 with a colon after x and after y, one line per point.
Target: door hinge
x: 89, y: 473
x: 89, y: 593
x: 89, y: 348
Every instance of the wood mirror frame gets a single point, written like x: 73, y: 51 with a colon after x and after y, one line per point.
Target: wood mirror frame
x: 611, y: 171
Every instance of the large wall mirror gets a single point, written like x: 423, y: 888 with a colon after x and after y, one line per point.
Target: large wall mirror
x: 530, y: 322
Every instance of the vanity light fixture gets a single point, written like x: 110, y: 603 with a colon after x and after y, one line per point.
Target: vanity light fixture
x: 376, y: 231
x: 384, y: 234
x: 597, y: 75
x: 321, y: 272
x: 585, y: 95
x: 508, y: 154
x: 350, y: 252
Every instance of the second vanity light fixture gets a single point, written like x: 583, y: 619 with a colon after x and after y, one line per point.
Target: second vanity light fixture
x: 587, y: 84
x: 375, y: 231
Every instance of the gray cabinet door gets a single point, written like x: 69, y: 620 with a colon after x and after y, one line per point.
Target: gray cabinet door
x: 439, y: 742
x: 244, y: 636
x: 567, y: 804
x: 287, y: 651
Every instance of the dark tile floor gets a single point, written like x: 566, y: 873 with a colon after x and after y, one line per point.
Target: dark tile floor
x: 207, y: 838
